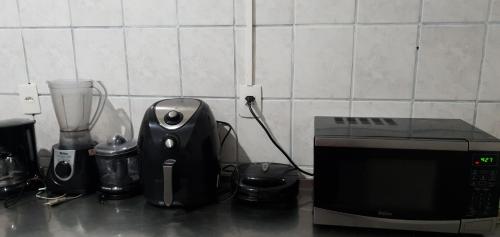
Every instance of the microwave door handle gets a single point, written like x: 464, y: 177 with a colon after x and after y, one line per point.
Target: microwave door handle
x: 168, y: 195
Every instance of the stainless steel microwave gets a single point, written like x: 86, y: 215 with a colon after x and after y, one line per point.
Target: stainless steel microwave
x: 435, y: 175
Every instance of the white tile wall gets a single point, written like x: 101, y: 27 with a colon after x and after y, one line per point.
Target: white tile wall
x: 395, y: 109
x: 457, y: 110
x: 273, y: 60
x: 100, y: 55
x: 266, y: 12
x: 207, y: 59
x: 206, y: 12
x: 387, y: 11
x: 44, y: 12
x: 495, y: 12
x: 96, y: 12
x: 276, y: 114
x: 50, y: 55
x: 8, y: 13
x: 385, y: 61
x: 490, y: 84
x: 153, y: 70
x: 12, y: 64
x: 324, y: 11
x: 323, y: 61
x: 455, y: 10
x: 450, y: 62
x: 487, y: 117
x: 390, y: 58
x: 150, y: 12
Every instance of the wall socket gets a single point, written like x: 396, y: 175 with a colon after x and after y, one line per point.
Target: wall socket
x: 255, y: 91
x: 28, y: 96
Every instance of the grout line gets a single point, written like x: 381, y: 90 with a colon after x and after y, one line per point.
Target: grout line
x: 354, y: 54
x: 417, y: 57
x: 483, y: 57
x: 28, y: 76
x: 179, y: 60
x: 292, y: 81
x: 235, y: 81
x: 261, y: 25
x: 73, y: 45
x: 294, y: 99
x: 127, y: 70
x: 9, y: 93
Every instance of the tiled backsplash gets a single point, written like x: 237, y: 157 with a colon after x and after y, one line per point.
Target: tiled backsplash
x: 393, y: 58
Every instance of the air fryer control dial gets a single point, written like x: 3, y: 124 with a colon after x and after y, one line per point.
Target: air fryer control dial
x: 63, y: 169
x: 170, y: 143
x: 173, y: 117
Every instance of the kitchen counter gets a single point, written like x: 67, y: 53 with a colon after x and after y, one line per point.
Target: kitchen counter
x: 134, y: 217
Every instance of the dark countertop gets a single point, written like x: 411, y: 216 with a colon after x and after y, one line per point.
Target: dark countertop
x: 134, y: 217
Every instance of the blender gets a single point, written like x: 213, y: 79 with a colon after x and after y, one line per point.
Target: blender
x: 73, y: 167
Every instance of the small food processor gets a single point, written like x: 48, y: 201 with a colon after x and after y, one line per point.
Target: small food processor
x: 118, y: 164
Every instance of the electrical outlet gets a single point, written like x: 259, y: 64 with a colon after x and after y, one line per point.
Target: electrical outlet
x: 28, y: 95
x: 255, y: 91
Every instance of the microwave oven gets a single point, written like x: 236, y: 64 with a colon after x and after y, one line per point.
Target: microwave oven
x: 433, y: 175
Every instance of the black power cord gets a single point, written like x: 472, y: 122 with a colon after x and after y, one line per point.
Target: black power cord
x: 234, y: 173
x: 250, y: 100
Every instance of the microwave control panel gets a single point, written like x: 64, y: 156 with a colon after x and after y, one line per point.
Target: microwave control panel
x: 483, y: 181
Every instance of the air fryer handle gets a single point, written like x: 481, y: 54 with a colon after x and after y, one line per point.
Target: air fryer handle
x: 168, y: 194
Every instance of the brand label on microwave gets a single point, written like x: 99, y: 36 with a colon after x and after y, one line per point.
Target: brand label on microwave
x: 384, y: 213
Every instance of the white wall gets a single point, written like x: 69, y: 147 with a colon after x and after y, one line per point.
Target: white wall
x: 313, y: 57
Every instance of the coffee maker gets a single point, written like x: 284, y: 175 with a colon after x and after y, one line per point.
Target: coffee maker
x: 72, y: 168
x: 18, y: 158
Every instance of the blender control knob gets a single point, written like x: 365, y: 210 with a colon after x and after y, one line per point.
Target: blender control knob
x: 63, y: 169
x: 170, y: 143
x: 173, y: 117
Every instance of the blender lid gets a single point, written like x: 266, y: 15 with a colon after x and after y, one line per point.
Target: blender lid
x: 117, y: 145
x: 61, y: 84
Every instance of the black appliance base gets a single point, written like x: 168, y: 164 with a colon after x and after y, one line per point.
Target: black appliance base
x: 268, y: 182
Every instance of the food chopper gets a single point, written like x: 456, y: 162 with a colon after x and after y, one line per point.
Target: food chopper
x: 72, y: 167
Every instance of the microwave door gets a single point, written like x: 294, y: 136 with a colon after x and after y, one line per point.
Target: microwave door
x: 394, y: 184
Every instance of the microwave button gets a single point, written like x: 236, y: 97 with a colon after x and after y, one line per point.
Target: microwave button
x: 482, y: 183
x: 484, y: 172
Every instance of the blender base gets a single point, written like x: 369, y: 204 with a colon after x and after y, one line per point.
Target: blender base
x: 72, y: 171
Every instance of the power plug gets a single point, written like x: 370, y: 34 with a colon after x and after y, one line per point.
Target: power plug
x: 254, y: 91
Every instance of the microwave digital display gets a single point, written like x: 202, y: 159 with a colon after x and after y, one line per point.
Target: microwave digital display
x: 485, y: 160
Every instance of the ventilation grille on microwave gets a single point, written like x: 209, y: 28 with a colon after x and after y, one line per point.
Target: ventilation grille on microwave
x: 365, y: 121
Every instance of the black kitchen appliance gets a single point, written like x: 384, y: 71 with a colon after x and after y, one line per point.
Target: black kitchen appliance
x: 18, y: 157
x: 118, y: 165
x: 179, y: 146
x: 264, y: 182
x: 437, y: 175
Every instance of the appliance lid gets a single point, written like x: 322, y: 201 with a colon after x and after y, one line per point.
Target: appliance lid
x: 117, y: 145
x: 400, y: 128
x: 174, y: 113
x: 15, y: 122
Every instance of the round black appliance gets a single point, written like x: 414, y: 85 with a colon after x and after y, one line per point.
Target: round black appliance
x: 267, y: 182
